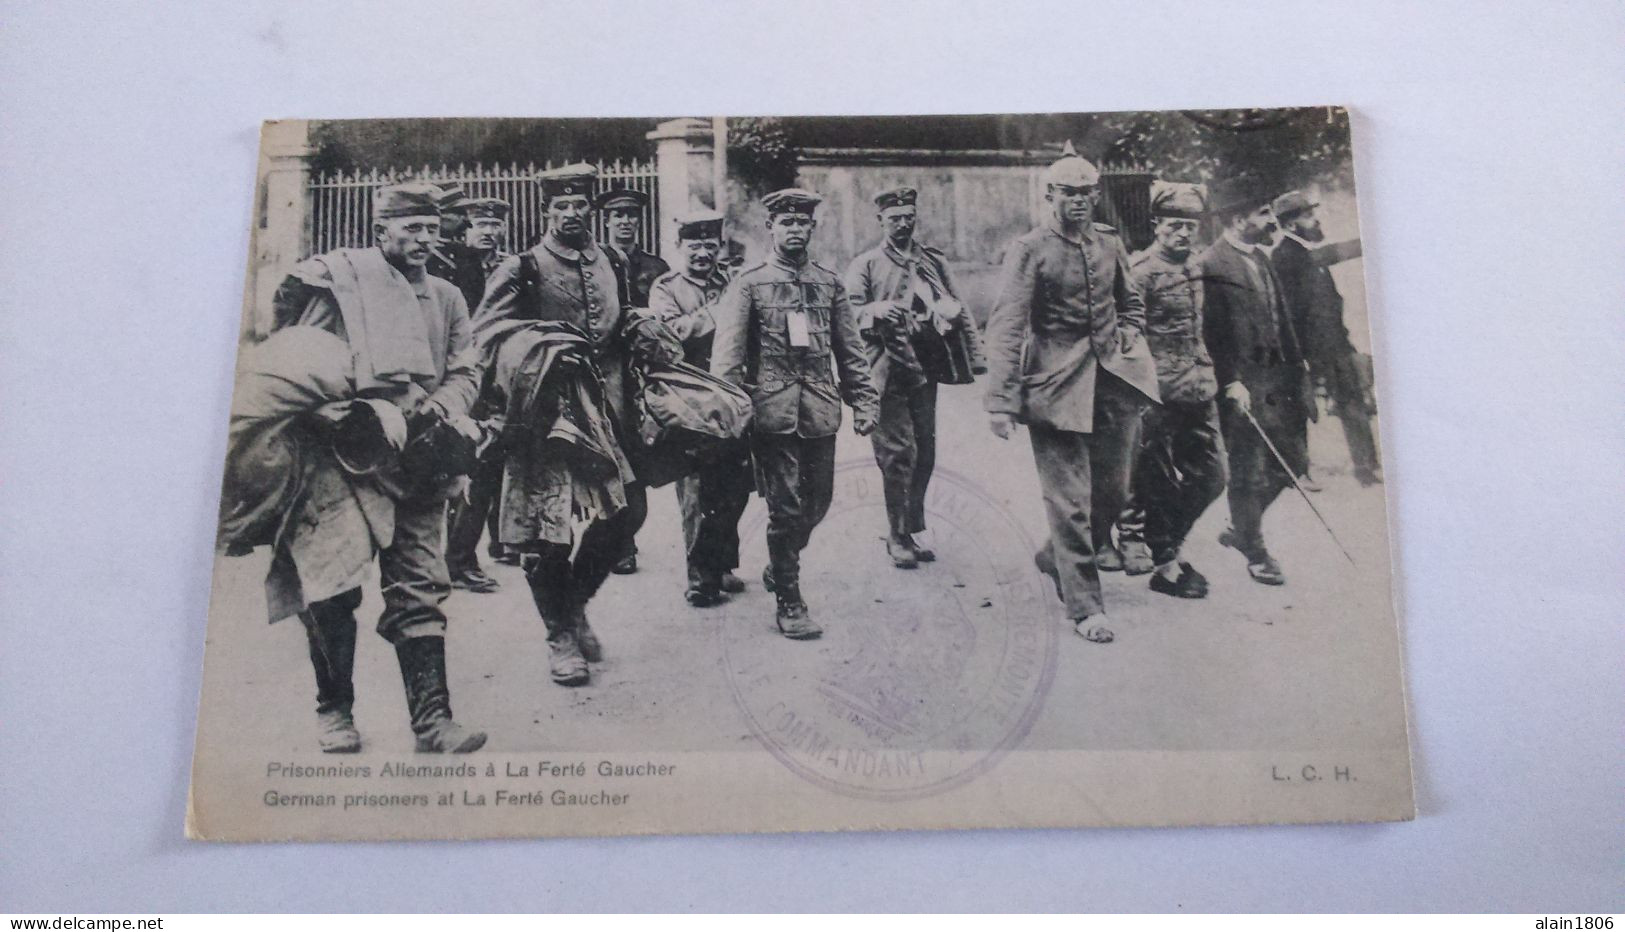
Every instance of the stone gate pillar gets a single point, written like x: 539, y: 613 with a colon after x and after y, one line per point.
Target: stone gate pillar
x: 282, y: 230
x: 689, y: 166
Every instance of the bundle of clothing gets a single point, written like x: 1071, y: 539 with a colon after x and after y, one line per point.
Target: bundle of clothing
x: 313, y: 468
x: 686, y: 417
x: 562, y: 464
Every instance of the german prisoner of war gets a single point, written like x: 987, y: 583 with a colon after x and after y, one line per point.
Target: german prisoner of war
x: 379, y: 357
x: 786, y: 332
x: 569, y: 415
x: 714, y: 497
x: 635, y: 271
x: 380, y: 420
x: 917, y: 333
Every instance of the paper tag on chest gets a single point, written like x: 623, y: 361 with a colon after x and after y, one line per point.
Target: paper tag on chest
x: 796, y: 321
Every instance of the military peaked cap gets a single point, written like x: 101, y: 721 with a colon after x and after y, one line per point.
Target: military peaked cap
x: 904, y: 196
x: 705, y: 224
x: 578, y: 178
x: 791, y: 201
x: 621, y: 197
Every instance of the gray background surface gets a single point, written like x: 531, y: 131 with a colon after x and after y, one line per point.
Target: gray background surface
x: 1489, y: 140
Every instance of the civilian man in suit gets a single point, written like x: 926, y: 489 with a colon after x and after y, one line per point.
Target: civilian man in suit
x: 1303, y: 263
x: 1259, y: 366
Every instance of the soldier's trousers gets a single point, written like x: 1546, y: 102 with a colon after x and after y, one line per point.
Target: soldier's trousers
x: 1179, y: 471
x: 561, y: 583
x: 466, y: 521
x: 905, y: 442
x: 1083, y: 476
x: 412, y: 575
x: 1255, y: 476
x: 712, y: 502
x: 796, y: 477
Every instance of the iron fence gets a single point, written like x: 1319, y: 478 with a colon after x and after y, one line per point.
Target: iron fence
x: 341, y: 202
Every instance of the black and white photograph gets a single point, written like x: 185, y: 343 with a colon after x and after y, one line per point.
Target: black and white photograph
x: 826, y: 460
x: 739, y: 474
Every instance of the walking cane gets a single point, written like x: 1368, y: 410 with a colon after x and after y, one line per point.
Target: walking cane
x: 1294, y: 480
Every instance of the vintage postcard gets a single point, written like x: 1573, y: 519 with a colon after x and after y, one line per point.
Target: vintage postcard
x: 745, y: 474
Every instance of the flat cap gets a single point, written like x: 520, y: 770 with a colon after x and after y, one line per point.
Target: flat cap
x: 903, y: 196
x: 704, y: 224
x: 411, y: 199
x: 791, y: 201
x: 1293, y: 203
x: 578, y: 178
x: 621, y: 197
x: 1178, y: 199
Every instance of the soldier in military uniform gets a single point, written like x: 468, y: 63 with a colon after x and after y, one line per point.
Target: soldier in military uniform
x: 635, y: 267
x: 713, y: 499
x: 419, y: 356
x: 635, y: 272
x: 476, y: 257
x: 786, y: 334
x: 1180, y: 467
x: 443, y: 254
x: 567, y: 277
x: 1260, y: 369
x: 1067, y: 356
x: 1302, y: 261
x: 883, y: 284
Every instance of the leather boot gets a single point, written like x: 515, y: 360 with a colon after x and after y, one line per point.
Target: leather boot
x: 428, y: 701
x: 794, y: 620
x: 330, y: 632
x: 553, y: 589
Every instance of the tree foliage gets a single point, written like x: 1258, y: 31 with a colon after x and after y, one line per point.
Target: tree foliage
x: 1284, y: 148
x: 762, y: 154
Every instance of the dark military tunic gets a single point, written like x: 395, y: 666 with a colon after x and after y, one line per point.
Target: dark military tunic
x: 635, y: 273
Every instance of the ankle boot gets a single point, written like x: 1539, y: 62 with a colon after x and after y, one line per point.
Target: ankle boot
x: 794, y: 620
x: 428, y: 701
x: 330, y: 633
x: 552, y: 588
